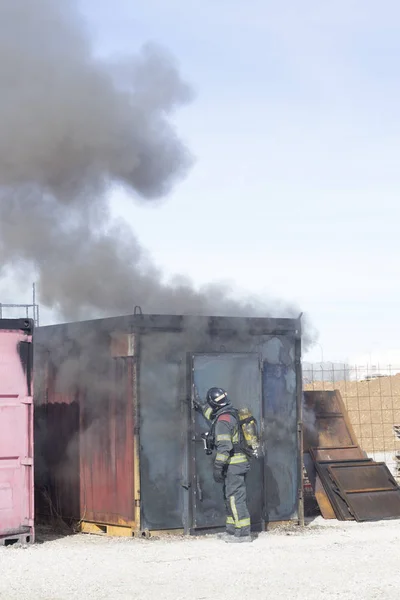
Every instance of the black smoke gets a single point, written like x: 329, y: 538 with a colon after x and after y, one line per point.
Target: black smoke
x: 72, y: 126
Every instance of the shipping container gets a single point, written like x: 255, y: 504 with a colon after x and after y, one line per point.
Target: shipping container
x: 16, y: 432
x: 118, y: 444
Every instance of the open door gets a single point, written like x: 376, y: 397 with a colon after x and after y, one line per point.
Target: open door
x: 240, y: 376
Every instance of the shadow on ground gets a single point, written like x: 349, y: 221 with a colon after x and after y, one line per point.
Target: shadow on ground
x: 49, y: 532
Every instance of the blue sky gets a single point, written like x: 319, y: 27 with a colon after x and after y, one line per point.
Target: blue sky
x: 295, y: 129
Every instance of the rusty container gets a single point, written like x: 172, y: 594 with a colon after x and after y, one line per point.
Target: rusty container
x: 118, y: 444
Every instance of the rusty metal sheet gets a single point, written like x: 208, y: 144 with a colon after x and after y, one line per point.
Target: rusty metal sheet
x: 84, y: 430
x: 338, y: 506
x: 369, y: 490
x: 107, y: 450
x: 324, y: 503
x: 327, y: 455
x: 372, y: 476
x: 56, y: 434
x: 57, y: 479
x: 333, y: 491
x: 321, y: 497
x: 337, y: 454
x: 327, y: 424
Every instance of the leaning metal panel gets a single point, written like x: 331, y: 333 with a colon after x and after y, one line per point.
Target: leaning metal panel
x: 369, y: 490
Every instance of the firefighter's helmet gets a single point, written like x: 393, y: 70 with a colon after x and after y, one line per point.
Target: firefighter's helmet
x: 217, y: 398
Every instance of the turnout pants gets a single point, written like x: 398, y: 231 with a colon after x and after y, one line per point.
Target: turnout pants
x: 235, y: 496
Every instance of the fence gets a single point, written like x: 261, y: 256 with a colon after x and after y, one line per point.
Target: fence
x: 16, y: 311
x: 372, y: 398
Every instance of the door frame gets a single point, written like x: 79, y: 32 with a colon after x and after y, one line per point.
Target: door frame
x: 191, y: 436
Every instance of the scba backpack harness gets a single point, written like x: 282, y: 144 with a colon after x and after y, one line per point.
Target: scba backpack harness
x: 249, y: 439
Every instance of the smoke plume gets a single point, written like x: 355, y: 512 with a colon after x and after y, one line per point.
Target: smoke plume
x: 71, y: 127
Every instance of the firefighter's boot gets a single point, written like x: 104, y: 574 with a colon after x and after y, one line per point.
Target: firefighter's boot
x: 238, y: 539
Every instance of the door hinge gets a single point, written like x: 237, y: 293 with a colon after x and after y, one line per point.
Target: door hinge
x: 137, y: 503
x: 27, y: 462
x: 27, y: 400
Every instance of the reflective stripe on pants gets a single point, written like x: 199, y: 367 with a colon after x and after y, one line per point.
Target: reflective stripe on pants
x: 230, y: 525
x: 238, y: 459
x: 223, y: 458
x: 238, y: 517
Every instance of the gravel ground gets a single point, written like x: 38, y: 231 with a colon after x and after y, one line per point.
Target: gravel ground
x: 326, y: 560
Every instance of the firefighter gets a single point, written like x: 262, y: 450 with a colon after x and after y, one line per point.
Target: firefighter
x: 231, y: 464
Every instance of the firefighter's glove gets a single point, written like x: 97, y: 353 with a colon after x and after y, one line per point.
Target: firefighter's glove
x: 218, y: 474
x: 197, y: 405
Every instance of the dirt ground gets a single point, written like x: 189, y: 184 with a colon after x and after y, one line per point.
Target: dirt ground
x: 326, y: 560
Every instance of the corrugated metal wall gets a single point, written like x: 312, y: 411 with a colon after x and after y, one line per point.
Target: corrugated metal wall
x: 85, y: 430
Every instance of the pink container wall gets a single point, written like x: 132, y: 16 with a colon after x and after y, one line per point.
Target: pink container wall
x: 16, y: 431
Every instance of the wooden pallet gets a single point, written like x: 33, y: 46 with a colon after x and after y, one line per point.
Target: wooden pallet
x: 104, y: 529
x: 124, y: 531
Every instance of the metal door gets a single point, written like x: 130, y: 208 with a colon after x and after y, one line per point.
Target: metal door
x: 16, y: 429
x: 240, y: 376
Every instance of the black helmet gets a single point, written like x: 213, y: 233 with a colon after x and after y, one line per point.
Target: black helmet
x: 217, y: 398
